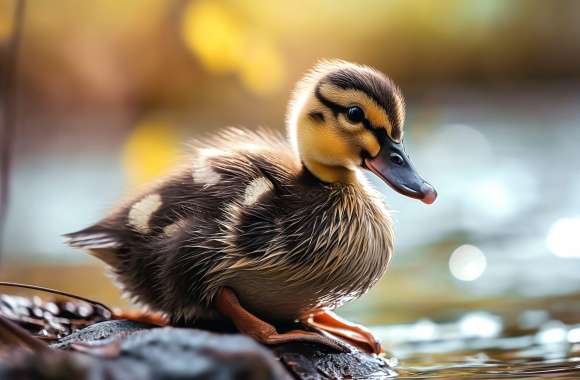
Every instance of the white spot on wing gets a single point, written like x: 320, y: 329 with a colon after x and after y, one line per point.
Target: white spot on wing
x: 141, y: 212
x: 203, y: 173
x: 173, y: 228
x: 255, y: 189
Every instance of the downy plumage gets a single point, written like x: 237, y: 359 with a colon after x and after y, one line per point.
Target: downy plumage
x: 289, y: 226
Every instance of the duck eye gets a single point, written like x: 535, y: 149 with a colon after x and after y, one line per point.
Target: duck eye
x: 397, y: 159
x: 355, y: 114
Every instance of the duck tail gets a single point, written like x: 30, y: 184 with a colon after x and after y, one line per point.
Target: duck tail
x: 101, y: 242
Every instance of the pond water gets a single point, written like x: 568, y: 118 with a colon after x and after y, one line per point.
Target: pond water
x: 484, y: 345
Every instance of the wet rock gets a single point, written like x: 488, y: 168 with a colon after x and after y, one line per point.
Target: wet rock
x: 160, y: 353
x: 309, y: 361
x: 100, y: 333
x: 196, y: 354
x: 85, y: 348
x: 50, y: 320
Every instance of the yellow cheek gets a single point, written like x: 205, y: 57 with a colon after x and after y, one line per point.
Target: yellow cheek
x: 326, y: 145
x: 340, y: 147
x: 369, y: 142
x: 359, y: 138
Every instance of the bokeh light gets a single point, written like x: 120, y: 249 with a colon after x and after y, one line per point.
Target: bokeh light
x: 564, y: 237
x: 423, y: 330
x: 480, y: 324
x: 553, y: 332
x: 214, y: 34
x: 224, y: 43
x: 573, y: 335
x: 151, y: 150
x: 467, y: 263
x: 262, y: 70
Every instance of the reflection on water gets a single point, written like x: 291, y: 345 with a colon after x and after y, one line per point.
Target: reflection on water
x: 484, y: 345
x: 563, y: 239
x: 467, y: 263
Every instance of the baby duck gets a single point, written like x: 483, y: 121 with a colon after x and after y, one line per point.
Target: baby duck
x: 259, y: 229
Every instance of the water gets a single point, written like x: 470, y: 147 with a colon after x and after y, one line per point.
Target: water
x: 487, y: 346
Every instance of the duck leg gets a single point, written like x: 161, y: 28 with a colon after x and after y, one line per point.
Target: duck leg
x: 228, y: 305
x: 334, y: 325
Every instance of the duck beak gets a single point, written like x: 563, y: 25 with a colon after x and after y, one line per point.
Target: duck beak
x: 393, y: 166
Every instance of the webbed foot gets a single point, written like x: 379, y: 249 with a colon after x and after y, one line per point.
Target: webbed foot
x: 228, y: 304
x: 332, y: 325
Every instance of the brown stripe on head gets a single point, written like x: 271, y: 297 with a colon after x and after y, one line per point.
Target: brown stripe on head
x: 380, y: 89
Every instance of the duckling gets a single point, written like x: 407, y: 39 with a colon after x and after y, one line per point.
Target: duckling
x: 260, y: 229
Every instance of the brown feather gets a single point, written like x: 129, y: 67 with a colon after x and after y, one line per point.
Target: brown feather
x: 245, y: 213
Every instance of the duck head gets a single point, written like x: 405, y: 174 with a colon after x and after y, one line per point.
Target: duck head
x: 344, y: 117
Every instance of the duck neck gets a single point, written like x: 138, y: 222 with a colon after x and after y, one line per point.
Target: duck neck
x: 330, y: 173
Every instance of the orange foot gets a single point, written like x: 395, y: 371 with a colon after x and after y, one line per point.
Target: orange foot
x: 228, y: 305
x: 141, y: 316
x: 331, y: 324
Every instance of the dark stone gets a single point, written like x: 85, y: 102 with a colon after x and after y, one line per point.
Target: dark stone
x: 129, y: 350
x: 171, y: 353
x: 310, y: 361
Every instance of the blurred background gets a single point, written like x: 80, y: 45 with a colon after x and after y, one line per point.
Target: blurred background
x: 110, y: 92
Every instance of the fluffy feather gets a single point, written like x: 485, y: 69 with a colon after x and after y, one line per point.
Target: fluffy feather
x: 313, y: 245
x: 248, y: 212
